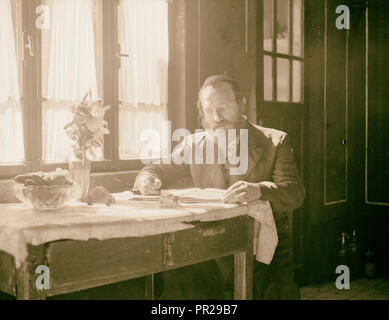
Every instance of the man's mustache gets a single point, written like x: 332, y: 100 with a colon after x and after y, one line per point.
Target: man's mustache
x: 221, y: 124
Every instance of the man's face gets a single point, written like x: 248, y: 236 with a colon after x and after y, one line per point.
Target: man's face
x: 219, y: 106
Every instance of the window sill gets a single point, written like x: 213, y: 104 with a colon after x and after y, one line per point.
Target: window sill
x: 105, y: 166
x: 113, y: 181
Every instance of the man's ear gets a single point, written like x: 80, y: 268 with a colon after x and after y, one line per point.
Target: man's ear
x: 243, y: 101
x: 200, y: 109
x: 201, y: 114
x: 203, y: 123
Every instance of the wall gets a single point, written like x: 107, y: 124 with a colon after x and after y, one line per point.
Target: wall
x: 212, y: 37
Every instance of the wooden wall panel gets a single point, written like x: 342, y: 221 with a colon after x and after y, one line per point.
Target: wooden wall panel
x: 222, y: 34
x: 227, y: 44
x: 212, y: 37
x: 335, y: 108
x: 295, y: 129
x: 326, y: 222
x: 377, y: 108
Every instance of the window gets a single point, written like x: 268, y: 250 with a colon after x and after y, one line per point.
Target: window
x: 143, y: 72
x: 283, y: 60
x: 118, y: 49
x: 11, y: 126
x: 71, y: 66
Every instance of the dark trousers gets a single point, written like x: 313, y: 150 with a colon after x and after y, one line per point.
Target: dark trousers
x: 205, y: 281
x: 276, y: 281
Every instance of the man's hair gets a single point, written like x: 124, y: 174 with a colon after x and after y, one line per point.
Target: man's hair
x: 215, y: 81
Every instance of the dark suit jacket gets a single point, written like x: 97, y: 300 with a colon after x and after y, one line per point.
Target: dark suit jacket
x: 270, y: 164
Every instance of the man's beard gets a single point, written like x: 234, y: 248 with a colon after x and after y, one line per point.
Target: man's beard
x: 224, y: 125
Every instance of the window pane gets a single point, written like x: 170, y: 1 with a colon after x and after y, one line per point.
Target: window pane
x: 283, y: 26
x: 283, y: 80
x: 268, y: 25
x: 297, y: 81
x: 297, y: 27
x: 143, y: 76
x: 71, y: 56
x: 11, y: 128
x: 268, y: 78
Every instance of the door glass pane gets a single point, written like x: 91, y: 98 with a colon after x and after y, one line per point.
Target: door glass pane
x: 283, y: 79
x: 297, y: 27
x: 268, y: 78
x: 297, y: 81
x: 72, y: 65
x: 143, y: 77
x: 11, y: 128
x: 268, y: 25
x: 283, y: 26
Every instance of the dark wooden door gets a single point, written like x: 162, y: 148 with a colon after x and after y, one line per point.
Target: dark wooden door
x: 345, y: 157
x: 330, y: 144
x: 280, y: 91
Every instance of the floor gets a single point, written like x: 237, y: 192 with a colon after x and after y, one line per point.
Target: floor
x: 361, y: 289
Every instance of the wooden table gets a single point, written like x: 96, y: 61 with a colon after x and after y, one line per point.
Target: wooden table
x: 77, y: 265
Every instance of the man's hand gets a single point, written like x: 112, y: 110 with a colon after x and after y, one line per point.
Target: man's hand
x: 242, y: 191
x: 148, y: 184
x: 100, y: 195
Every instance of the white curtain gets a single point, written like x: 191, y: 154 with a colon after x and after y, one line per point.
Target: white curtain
x: 143, y: 76
x: 69, y: 69
x: 11, y: 129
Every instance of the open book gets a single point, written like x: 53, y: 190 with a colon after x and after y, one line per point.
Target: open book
x: 197, y: 195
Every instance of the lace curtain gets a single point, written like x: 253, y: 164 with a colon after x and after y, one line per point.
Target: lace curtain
x: 72, y: 64
x: 143, y: 76
x: 11, y: 128
x: 70, y: 51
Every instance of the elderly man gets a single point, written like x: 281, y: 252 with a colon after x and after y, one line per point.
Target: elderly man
x: 271, y: 175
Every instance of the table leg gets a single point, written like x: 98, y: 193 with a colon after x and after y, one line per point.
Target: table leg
x: 244, y: 268
x: 149, y: 287
x: 26, y: 288
x: 243, y: 288
x: 25, y: 285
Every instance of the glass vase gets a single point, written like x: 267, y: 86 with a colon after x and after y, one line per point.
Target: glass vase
x: 80, y: 173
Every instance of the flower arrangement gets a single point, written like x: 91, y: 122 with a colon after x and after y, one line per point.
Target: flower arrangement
x: 88, y: 127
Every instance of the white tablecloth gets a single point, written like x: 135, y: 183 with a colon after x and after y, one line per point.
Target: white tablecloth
x: 20, y: 225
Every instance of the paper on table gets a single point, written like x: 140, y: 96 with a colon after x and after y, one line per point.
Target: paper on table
x: 144, y: 198
x: 128, y: 195
x: 193, y: 195
x: 196, y: 195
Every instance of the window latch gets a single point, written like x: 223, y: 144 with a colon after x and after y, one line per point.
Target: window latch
x: 29, y: 46
x: 122, y: 55
x: 119, y: 54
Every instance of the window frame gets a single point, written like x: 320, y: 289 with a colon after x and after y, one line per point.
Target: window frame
x: 274, y: 55
x: 28, y: 94
x: 31, y: 93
